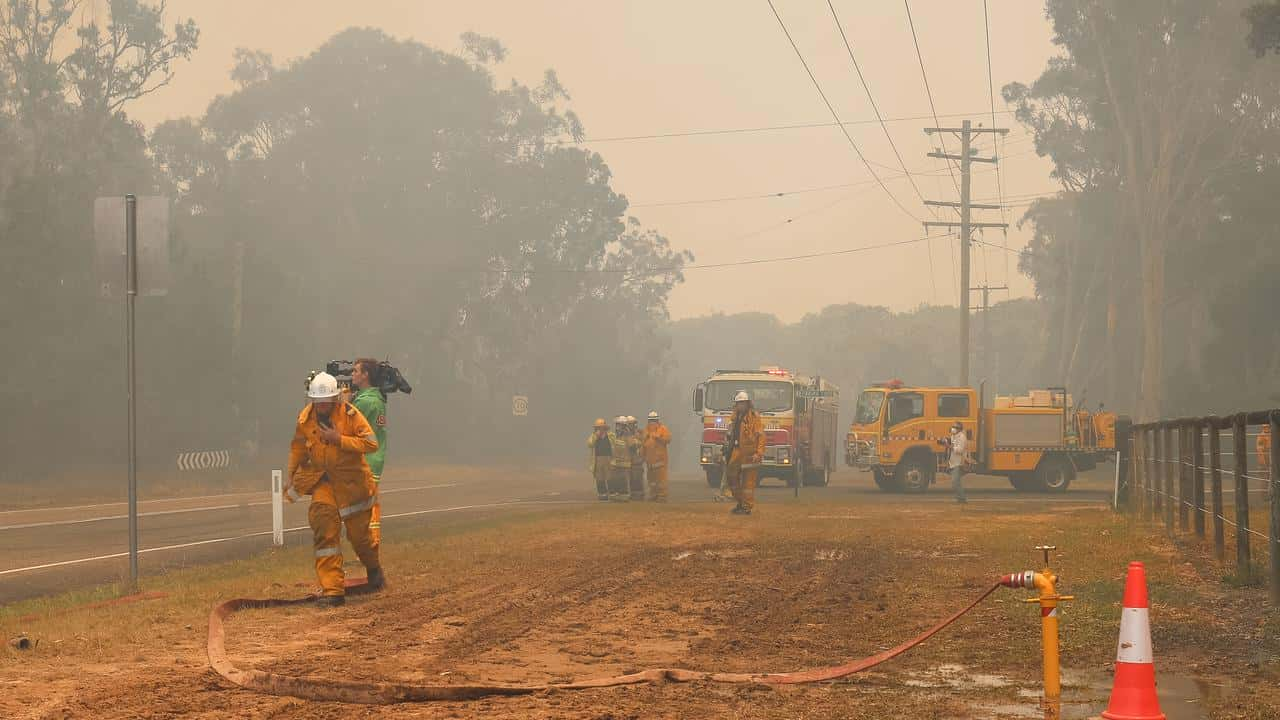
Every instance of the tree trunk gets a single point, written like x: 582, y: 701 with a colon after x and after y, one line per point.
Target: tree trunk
x: 1152, y: 244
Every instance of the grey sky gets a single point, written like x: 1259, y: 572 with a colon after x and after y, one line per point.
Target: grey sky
x: 657, y: 66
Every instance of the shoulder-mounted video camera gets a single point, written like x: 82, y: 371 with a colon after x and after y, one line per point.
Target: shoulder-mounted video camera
x: 385, y: 376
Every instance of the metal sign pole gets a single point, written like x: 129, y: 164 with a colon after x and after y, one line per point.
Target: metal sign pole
x: 131, y: 271
x: 277, y: 508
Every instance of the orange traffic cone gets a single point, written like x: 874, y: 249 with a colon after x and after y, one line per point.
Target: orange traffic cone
x: 1133, y: 696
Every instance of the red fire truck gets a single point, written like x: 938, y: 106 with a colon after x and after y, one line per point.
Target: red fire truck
x: 801, y: 423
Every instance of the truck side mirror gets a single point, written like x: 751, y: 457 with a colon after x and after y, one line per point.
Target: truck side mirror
x: 698, y: 393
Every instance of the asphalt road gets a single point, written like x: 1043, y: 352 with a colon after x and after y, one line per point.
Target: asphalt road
x: 48, y: 550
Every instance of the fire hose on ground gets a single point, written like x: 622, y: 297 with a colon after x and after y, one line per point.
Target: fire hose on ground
x: 382, y: 693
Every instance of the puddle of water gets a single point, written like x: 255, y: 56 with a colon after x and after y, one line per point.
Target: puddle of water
x: 958, y: 676
x: 828, y: 555
x: 1086, y: 696
x: 683, y: 556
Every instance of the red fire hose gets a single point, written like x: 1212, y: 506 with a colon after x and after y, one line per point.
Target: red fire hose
x: 308, y: 688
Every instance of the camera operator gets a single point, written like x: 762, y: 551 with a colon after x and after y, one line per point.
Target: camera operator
x: 366, y: 382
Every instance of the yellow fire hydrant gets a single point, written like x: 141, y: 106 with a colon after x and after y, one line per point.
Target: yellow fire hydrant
x: 1044, y: 581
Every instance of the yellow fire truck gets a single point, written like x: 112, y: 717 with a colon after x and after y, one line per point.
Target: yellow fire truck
x: 1039, y: 444
x: 801, y: 418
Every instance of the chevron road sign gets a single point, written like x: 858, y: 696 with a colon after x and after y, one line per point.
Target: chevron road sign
x: 204, y: 460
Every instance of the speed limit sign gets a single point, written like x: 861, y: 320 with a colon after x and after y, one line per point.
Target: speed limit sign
x: 519, y: 405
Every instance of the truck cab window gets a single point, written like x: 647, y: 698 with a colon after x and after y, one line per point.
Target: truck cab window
x: 956, y: 405
x: 904, y: 407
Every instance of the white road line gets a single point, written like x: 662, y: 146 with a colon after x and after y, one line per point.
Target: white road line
x: 180, y: 546
x: 213, y: 508
x: 63, y: 508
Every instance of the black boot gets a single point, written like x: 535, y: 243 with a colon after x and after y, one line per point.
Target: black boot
x: 331, y: 601
x: 376, y: 580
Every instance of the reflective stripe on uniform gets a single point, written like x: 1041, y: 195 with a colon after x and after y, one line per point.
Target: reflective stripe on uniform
x: 358, y: 507
x: 327, y: 552
x: 658, y: 465
x: 377, y: 478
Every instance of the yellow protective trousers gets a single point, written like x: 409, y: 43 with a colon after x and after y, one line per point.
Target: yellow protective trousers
x: 327, y: 520
x: 375, y: 520
x: 658, y: 483
x: 742, y: 481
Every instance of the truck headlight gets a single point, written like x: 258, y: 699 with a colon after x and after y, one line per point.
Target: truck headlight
x: 784, y: 455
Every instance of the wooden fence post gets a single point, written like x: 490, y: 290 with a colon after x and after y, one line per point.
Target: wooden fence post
x: 1274, y: 494
x: 1152, y: 474
x: 1215, y: 480
x: 1239, y: 439
x: 1170, y: 467
x: 1197, y: 475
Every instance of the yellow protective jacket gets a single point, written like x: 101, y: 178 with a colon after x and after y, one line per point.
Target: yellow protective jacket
x: 591, y: 451
x: 749, y: 449
x: 311, y: 459
x: 655, y: 440
x: 621, y: 450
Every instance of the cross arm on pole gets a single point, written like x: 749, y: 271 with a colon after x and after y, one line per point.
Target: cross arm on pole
x: 932, y: 130
x: 932, y: 223
x: 975, y: 206
x: 972, y: 158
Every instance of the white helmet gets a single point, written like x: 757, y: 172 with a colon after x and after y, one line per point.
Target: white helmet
x: 323, y: 386
x: 631, y: 419
x: 653, y: 415
x: 620, y: 420
x: 742, y: 397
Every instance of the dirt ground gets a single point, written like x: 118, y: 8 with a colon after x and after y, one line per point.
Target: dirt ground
x: 601, y: 590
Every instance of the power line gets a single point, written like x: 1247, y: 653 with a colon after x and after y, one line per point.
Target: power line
x: 758, y: 196
x: 929, y: 92
x: 632, y: 273
x: 887, y: 135
x: 836, y: 116
x: 991, y: 91
x: 738, y: 131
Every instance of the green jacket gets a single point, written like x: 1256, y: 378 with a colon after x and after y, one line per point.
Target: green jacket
x: 373, y: 406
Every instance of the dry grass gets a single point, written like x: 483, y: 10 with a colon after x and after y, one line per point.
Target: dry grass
x: 896, y: 565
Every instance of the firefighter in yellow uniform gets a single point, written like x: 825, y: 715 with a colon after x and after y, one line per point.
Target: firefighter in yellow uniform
x: 326, y: 461
x: 635, y: 442
x: 620, y: 463
x: 745, y: 452
x: 654, y: 440
x: 599, y: 457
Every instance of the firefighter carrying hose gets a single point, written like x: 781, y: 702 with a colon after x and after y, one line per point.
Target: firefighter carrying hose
x: 743, y: 453
x: 654, y: 441
x: 327, y: 462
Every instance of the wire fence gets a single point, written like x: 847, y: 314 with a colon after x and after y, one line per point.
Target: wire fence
x: 1181, y: 471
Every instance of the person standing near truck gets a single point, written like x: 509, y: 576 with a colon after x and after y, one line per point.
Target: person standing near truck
x: 654, y: 440
x: 957, y: 446
x: 745, y: 451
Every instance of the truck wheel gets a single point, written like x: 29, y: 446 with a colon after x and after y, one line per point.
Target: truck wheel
x: 1054, y: 474
x: 1022, y: 482
x: 713, y: 477
x: 817, y: 478
x: 796, y: 476
x: 916, y: 474
x: 885, y: 481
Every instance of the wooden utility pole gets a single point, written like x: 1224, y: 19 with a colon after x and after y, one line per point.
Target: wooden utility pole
x: 986, y: 327
x: 966, y: 159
